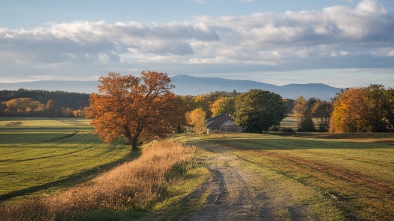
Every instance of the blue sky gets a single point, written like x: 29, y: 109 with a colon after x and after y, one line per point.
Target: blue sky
x: 343, y: 43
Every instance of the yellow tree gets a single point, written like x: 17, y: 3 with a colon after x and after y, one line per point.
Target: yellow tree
x: 203, y: 101
x: 197, y: 118
x: 137, y: 108
x: 22, y: 105
x: 348, y: 112
x: 224, y: 105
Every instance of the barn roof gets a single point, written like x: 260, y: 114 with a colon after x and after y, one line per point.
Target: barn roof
x: 219, y: 121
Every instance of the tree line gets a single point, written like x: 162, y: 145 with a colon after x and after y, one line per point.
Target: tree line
x: 41, y: 103
x: 359, y: 109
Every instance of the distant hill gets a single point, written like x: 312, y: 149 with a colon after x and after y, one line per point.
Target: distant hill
x: 68, y: 86
x: 187, y: 85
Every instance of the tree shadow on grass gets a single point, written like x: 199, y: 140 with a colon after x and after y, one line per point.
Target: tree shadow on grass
x: 282, y: 142
x: 71, y: 180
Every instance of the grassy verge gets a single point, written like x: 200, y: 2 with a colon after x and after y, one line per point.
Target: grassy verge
x: 185, y: 194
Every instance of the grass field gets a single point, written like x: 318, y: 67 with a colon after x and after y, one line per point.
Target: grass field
x: 46, y: 160
x: 289, y: 122
x: 45, y: 155
x: 352, y: 172
x: 122, y: 193
x: 356, y: 171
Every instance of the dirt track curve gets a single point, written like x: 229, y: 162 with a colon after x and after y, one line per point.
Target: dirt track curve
x: 239, y: 193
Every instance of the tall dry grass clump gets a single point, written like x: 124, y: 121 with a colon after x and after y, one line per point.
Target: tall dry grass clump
x: 134, y: 185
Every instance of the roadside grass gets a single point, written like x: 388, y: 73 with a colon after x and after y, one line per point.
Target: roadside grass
x: 184, y: 194
x: 155, y: 181
x: 356, y: 175
x: 42, y: 156
x: 183, y: 197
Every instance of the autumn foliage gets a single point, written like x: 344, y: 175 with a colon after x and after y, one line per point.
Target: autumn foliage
x: 363, y: 109
x: 223, y: 105
x: 136, y: 108
x: 197, y: 118
x: 312, y: 111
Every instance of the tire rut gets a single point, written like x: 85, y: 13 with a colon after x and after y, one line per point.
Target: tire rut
x: 229, y: 199
x: 236, y: 194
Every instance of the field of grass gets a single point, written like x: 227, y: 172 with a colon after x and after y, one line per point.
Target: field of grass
x: 289, y: 122
x: 56, y: 169
x: 355, y: 172
x: 118, y: 194
x: 39, y: 156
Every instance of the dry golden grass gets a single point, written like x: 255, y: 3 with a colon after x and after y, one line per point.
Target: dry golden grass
x: 132, y: 186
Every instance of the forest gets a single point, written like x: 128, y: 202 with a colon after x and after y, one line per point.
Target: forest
x: 41, y: 103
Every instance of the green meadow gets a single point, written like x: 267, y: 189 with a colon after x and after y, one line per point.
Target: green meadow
x: 354, y: 171
x: 46, y: 155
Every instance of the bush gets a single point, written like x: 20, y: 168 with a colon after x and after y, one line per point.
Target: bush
x: 287, y: 130
x: 307, y: 125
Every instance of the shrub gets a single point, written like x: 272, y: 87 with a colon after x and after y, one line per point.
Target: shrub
x: 287, y: 130
x: 306, y: 125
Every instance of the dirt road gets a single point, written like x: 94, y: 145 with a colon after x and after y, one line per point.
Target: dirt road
x: 238, y: 190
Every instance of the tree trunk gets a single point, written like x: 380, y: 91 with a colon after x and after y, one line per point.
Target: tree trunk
x: 134, y: 144
x: 132, y: 139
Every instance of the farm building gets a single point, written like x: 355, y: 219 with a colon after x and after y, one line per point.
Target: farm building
x: 223, y: 123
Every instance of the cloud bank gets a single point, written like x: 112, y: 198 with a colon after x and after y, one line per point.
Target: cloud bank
x: 336, y: 37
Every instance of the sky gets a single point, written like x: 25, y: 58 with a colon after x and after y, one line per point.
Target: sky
x: 342, y: 43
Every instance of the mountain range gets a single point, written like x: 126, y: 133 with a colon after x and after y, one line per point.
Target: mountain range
x: 185, y: 85
x: 188, y: 85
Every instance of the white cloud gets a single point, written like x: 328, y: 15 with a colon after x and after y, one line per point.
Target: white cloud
x: 263, y: 41
x: 366, y: 7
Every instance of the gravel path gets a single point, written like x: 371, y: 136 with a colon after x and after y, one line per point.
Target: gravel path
x: 238, y: 193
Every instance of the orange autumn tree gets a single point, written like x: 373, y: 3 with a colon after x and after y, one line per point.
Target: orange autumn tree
x: 347, y: 113
x: 137, y: 108
x: 363, y: 109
